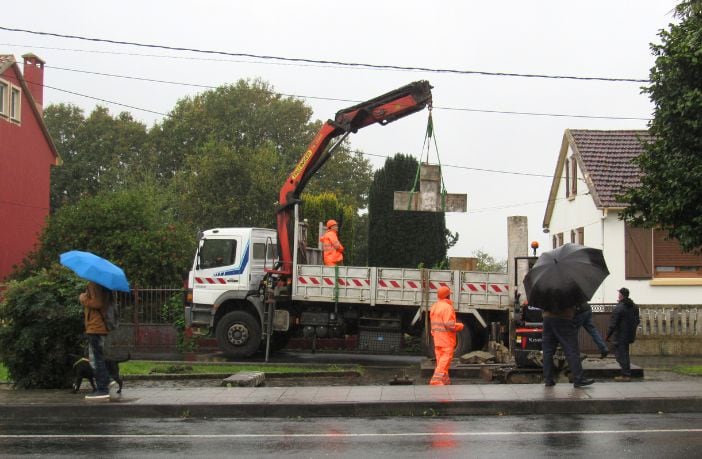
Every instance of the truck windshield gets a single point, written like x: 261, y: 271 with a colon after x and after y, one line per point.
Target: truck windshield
x: 217, y: 252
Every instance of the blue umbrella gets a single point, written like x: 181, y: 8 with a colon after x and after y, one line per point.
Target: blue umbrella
x: 93, y: 268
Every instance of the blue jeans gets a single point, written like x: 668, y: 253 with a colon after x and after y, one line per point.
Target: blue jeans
x: 584, y: 319
x: 96, y: 355
x: 563, y: 331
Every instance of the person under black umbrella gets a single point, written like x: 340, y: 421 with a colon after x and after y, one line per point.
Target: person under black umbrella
x: 559, y: 328
x: 559, y: 280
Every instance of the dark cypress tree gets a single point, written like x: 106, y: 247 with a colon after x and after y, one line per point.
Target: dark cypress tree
x: 402, y: 239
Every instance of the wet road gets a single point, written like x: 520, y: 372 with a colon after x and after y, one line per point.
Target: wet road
x: 662, y: 435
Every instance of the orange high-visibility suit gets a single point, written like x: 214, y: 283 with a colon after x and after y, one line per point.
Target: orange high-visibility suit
x: 332, y: 248
x: 443, y: 328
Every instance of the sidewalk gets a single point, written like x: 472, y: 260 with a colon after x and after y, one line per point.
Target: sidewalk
x: 419, y: 400
x: 658, y: 391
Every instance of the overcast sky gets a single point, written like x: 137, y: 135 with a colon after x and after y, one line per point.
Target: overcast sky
x: 504, y: 162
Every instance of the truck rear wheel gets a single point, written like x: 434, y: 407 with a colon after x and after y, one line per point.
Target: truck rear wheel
x: 238, y: 334
x: 464, y: 344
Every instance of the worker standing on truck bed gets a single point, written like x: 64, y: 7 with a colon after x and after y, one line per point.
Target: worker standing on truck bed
x: 333, y: 250
x: 442, y: 317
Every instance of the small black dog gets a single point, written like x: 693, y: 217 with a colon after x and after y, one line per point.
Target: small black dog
x: 83, y: 370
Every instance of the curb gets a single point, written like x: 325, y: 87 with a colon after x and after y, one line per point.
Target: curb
x: 353, y: 409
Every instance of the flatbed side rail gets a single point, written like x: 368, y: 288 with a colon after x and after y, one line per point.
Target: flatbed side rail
x: 399, y: 286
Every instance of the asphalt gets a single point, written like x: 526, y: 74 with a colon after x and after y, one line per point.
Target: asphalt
x: 642, y: 395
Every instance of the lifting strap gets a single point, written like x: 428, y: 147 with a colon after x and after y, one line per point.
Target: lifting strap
x: 428, y: 136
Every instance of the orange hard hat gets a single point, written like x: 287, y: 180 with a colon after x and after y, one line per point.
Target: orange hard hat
x: 443, y: 292
x: 331, y: 223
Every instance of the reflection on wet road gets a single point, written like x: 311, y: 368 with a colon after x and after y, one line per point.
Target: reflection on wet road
x: 662, y: 435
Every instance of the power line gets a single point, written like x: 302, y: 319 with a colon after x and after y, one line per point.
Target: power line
x: 479, y: 169
x: 333, y: 99
x: 107, y: 101
x: 317, y: 61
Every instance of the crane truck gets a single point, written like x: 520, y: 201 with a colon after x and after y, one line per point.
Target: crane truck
x: 254, y: 288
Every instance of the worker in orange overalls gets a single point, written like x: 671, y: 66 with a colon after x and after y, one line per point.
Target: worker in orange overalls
x: 332, y: 248
x: 443, y: 328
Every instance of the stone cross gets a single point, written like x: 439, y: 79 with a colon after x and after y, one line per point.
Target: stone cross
x: 428, y: 198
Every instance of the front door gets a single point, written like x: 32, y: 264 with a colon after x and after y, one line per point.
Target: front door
x: 221, y: 266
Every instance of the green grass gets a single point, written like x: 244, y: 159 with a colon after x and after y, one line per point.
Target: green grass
x: 147, y: 367
x: 692, y: 370
x: 144, y: 367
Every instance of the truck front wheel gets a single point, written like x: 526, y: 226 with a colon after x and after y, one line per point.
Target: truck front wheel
x: 464, y: 344
x: 238, y: 334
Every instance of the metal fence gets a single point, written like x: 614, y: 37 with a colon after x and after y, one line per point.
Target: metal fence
x: 147, y: 306
x: 147, y: 317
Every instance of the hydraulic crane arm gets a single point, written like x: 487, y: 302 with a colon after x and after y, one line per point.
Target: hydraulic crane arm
x: 382, y: 110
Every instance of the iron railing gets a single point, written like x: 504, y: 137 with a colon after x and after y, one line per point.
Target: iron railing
x: 150, y: 305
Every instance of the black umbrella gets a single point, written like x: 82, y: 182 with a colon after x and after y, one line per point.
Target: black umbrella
x: 566, y: 276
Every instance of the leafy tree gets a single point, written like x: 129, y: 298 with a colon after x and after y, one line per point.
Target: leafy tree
x: 402, y: 238
x: 221, y: 187
x: 488, y: 263
x: 669, y: 196
x: 42, y: 323
x: 245, y: 115
x: 326, y: 206
x: 98, y: 153
x: 347, y: 175
x: 253, y: 126
x: 132, y: 228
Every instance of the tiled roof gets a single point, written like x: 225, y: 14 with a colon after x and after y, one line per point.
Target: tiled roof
x: 606, y: 158
x: 6, y: 60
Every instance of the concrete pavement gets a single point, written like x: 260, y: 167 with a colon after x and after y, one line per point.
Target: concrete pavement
x: 649, y: 394
x: 416, y: 400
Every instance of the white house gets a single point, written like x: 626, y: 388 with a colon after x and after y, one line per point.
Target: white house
x: 593, y: 168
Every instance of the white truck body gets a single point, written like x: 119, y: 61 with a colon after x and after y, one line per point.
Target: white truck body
x: 230, y: 265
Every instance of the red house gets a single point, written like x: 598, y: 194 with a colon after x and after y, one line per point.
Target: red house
x: 26, y: 156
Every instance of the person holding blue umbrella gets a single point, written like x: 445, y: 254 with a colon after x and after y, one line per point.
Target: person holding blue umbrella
x: 94, y: 300
x: 103, y: 277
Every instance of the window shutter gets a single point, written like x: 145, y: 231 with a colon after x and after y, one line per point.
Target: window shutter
x: 638, y: 253
x: 667, y: 252
x: 574, y: 178
x: 566, y: 166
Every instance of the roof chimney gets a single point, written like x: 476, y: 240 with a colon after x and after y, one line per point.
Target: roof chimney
x: 34, y: 76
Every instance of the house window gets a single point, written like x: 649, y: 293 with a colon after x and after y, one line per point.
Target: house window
x: 580, y: 236
x: 559, y: 239
x: 15, y: 103
x: 648, y: 254
x: 572, y: 236
x: 554, y: 242
x: 567, y: 177
x: 574, y: 177
x: 4, y: 92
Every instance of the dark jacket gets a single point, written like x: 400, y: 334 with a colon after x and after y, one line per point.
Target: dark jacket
x: 563, y: 313
x: 624, y: 321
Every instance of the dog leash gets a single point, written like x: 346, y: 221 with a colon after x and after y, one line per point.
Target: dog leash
x: 82, y: 359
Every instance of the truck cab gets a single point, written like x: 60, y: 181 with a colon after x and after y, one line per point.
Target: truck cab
x: 229, y: 264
